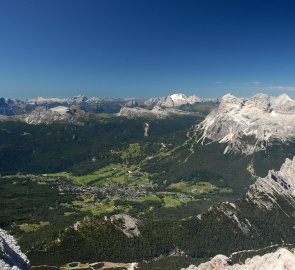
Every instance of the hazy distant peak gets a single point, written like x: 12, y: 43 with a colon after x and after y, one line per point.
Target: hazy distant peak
x: 173, y: 100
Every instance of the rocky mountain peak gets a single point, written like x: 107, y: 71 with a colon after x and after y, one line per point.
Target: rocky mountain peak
x: 284, y: 104
x: 261, y: 117
x: 260, y: 101
x: 77, y: 99
x: 42, y: 115
x: 229, y: 102
x: 174, y: 100
x: 178, y: 96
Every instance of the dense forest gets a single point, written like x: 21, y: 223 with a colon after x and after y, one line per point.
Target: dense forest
x: 55, y: 175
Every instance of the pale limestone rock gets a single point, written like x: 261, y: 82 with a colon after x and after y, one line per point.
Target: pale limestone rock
x: 263, y: 118
x: 127, y: 224
x: 11, y: 257
x: 282, y: 259
x: 277, y: 183
x: 42, y: 115
x: 156, y: 111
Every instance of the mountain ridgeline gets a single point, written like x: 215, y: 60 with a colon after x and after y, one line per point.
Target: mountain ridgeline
x: 11, y: 107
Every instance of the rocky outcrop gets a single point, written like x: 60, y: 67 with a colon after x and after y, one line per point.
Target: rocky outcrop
x: 265, y: 191
x: 250, y: 125
x: 156, y: 112
x: 127, y: 224
x: 11, y: 256
x: 43, y: 115
x: 282, y: 259
x: 271, y: 194
x: 10, y: 107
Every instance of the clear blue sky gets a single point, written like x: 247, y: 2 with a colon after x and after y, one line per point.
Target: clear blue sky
x: 143, y: 48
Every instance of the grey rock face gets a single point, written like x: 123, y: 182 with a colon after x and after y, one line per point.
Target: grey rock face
x: 127, y: 224
x: 156, y: 112
x: 277, y: 183
x: 11, y: 256
x: 282, y: 259
x: 10, y: 107
x: 42, y: 115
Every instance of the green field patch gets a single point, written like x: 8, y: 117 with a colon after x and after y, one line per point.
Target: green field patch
x: 173, y: 150
x: 198, y: 188
x: 59, y: 174
x: 154, y: 198
x: 25, y: 227
x: 66, y: 214
x: 226, y: 190
x: 79, y: 180
x: 171, y: 202
x: 109, y: 175
x: 132, y: 151
x: 99, y: 208
x: 82, y: 203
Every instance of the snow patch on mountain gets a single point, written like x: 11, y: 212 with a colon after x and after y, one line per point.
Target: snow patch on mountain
x: 250, y: 125
x: 60, y: 109
x: 44, y: 101
x: 175, y: 100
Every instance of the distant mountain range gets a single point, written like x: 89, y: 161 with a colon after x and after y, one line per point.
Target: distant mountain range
x: 243, y: 125
x: 10, y: 107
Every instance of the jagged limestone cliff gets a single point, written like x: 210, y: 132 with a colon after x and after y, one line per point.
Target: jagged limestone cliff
x: 11, y: 256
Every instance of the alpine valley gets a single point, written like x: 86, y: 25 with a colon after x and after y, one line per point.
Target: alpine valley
x: 162, y: 183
